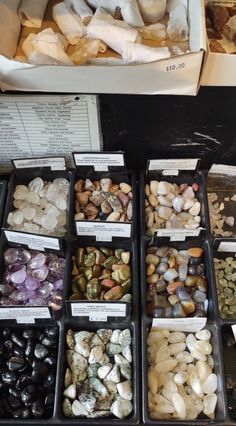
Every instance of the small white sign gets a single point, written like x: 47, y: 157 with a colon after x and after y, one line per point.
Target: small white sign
x: 98, y: 311
x: 55, y: 163
x: 173, y: 164
x: 179, y: 324
x: 223, y: 169
x: 24, y: 314
x: 170, y: 172
x: 100, y: 161
x: 234, y: 330
x: 103, y: 231
x: 178, y: 234
x: 34, y: 242
x: 227, y: 246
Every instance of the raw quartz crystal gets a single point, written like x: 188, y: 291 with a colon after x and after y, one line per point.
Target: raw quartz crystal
x: 221, y: 224
x: 32, y: 278
x: 168, y: 205
x: 40, y: 207
x: 181, y: 381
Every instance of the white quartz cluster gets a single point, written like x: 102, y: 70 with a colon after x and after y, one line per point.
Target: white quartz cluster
x: 40, y: 207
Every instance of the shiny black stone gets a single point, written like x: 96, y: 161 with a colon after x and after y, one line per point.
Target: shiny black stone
x: 195, y: 261
x: 16, y: 363
x: 14, y: 392
x: 40, y: 351
x: 14, y: 402
x: 29, y: 350
x: 37, y: 408
x: 15, y: 339
x: 49, y: 342
x: 39, y: 372
x: 29, y: 333
x: 28, y: 394
x: 50, y: 360
x: 17, y: 351
x: 49, y: 381
x: 49, y: 399
x: 8, y: 344
x: 23, y: 381
x: 9, y: 377
x: 5, y: 332
x: 23, y: 413
x: 52, y: 331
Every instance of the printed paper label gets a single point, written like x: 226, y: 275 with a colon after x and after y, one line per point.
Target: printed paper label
x: 98, y: 311
x: 173, y: 164
x: 227, y: 246
x: 100, y: 161
x: 34, y: 242
x: 178, y: 234
x: 234, y: 330
x: 179, y: 324
x: 103, y: 231
x: 24, y: 314
x: 223, y: 169
x: 55, y: 163
x: 170, y: 172
x: 47, y: 126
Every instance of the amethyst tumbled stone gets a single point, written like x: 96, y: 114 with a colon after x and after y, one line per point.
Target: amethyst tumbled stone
x: 32, y: 278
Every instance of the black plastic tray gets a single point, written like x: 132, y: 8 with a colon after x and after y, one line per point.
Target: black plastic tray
x: 217, y: 353
x: 21, y: 177
x: 131, y: 307
x: 209, y: 269
x: 129, y: 177
x: 55, y: 315
x: 183, y: 177
x: 3, y: 193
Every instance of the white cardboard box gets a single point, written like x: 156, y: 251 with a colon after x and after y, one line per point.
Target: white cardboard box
x: 219, y: 69
x: 179, y: 75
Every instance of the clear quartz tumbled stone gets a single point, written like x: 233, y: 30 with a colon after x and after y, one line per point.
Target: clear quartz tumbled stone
x: 41, y: 207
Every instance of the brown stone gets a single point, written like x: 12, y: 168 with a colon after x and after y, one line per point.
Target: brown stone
x: 191, y: 280
x: 188, y: 306
x: 97, y: 198
x: 114, y: 188
x: 171, y: 288
x: 82, y: 198
x: 90, y: 210
x: 77, y: 206
x: 150, y: 269
x: 79, y: 185
x: 201, y: 284
x: 195, y: 252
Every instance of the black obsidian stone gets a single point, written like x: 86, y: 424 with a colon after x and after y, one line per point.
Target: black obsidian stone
x: 40, y: 351
x: 28, y: 361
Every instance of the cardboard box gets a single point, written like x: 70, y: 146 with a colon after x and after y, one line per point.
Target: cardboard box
x: 219, y: 69
x: 179, y: 75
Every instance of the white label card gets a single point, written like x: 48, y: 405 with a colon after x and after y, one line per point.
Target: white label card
x: 178, y: 234
x: 100, y: 161
x: 47, y: 126
x: 227, y: 246
x: 223, y: 169
x: 103, y: 231
x: 179, y: 324
x: 55, y: 163
x: 173, y: 164
x: 24, y: 315
x: 34, y: 242
x: 98, y: 311
x: 234, y: 330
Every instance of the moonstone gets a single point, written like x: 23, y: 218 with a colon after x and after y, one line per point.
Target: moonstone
x: 163, y: 188
x: 188, y: 193
x: 209, y: 403
x: 210, y: 384
x: 195, y: 210
x: 178, y: 203
x: 179, y: 405
x: 164, y: 212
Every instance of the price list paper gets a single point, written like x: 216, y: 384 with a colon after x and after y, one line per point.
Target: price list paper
x: 38, y: 126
